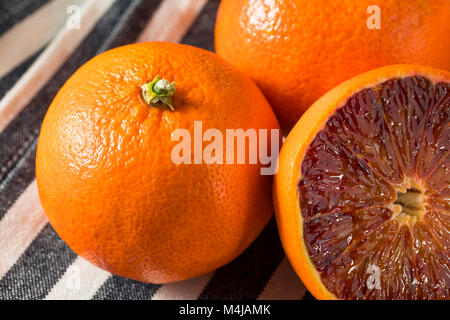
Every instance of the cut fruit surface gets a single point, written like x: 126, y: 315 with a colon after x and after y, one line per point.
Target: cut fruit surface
x: 363, y: 191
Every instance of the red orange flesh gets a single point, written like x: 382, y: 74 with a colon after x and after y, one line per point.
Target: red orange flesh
x: 368, y: 168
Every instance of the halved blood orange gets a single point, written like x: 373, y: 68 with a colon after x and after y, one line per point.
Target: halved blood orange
x: 362, y: 195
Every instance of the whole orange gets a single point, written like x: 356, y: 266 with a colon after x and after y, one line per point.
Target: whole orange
x: 106, y: 177
x: 296, y: 50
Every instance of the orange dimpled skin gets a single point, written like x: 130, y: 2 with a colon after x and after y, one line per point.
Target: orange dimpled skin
x: 105, y: 175
x: 296, y: 50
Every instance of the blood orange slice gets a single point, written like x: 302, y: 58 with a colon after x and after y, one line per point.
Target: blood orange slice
x: 362, y: 195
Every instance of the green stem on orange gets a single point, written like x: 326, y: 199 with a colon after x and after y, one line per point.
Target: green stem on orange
x: 158, y: 92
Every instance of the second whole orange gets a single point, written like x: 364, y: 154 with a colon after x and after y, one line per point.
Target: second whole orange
x: 297, y: 50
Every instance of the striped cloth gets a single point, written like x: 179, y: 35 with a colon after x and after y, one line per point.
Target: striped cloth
x: 40, y: 50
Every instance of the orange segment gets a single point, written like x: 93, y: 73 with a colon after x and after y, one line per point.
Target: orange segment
x: 439, y: 226
x: 347, y: 276
x: 405, y: 103
x: 431, y: 265
x: 437, y: 137
x: 439, y: 180
x: 334, y: 178
x: 328, y: 236
x: 361, y: 127
x: 362, y: 194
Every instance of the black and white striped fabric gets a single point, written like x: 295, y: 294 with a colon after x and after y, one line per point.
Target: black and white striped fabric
x: 34, y: 262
